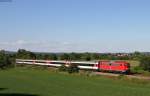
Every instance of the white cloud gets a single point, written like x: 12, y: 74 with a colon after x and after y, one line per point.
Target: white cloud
x: 20, y: 42
x: 55, y: 46
x: 38, y: 46
x: 44, y: 46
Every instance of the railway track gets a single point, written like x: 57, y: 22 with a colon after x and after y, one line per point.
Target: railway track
x: 128, y: 76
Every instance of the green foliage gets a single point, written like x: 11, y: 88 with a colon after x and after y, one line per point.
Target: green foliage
x: 95, y: 56
x: 5, y: 60
x: 53, y: 57
x: 46, y: 56
x: 145, y: 63
x: 105, y: 57
x: 137, y: 69
x: 86, y: 56
x: 65, y: 56
x: 39, y: 56
x: 73, y: 68
x: 75, y: 56
x: 137, y: 55
x: 23, y: 54
x: 63, y: 68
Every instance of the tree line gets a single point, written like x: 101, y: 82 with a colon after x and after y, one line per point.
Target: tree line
x: 23, y: 54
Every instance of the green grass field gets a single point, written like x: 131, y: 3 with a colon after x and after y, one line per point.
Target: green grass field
x: 33, y: 82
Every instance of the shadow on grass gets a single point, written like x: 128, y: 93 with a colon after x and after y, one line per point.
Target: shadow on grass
x: 1, y: 89
x: 15, y: 94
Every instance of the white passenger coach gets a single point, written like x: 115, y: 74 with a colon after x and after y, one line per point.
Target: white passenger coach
x: 53, y: 63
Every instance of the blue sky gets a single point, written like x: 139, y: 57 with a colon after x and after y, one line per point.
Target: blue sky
x: 75, y: 25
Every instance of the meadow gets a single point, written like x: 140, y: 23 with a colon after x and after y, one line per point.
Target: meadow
x: 34, y: 82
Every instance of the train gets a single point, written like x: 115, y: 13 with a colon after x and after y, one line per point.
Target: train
x: 102, y: 65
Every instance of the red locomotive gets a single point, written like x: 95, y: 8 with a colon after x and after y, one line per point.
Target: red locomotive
x: 114, y: 66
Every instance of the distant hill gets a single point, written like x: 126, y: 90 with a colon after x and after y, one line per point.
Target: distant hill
x: 60, y: 53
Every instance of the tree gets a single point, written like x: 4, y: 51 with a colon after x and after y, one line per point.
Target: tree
x: 65, y: 56
x: 137, y: 55
x: 39, y: 56
x: 95, y: 56
x: 5, y: 60
x: 53, y: 57
x: 86, y: 56
x: 73, y: 68
x: 23, y: 54
x: 145, y: 63
x: 74, y: 56
x: 104, y: 56
x: 46, y: 56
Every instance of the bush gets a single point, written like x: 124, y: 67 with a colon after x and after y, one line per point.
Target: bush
x: 5, y: 60
x: 62, y: 68
x: 73, y: 68
x: 145, y: 63
x: 137, y: 69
